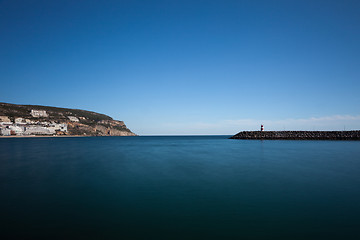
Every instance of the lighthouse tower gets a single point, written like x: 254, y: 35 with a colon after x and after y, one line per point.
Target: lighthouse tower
x: 262, y: 128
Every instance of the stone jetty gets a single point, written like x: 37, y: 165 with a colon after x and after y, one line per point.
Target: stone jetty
x: 298, y: 135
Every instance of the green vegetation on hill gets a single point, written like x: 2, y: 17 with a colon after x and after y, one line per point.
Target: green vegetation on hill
x: 87, y: 122
x: 55, y: 113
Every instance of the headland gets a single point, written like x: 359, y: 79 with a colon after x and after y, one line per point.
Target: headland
x: 35, y: 120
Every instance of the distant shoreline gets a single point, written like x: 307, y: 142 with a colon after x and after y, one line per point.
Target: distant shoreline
x: 43, y: 136
x: 56, y: 136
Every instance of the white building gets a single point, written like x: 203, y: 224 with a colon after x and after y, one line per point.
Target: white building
x: 73, y: 119
x: 38, y: 130
x: 58, y: 127
x: 39, y: 113
x: 16, y: 129
x: 20, y: 121
x: 5, y: 131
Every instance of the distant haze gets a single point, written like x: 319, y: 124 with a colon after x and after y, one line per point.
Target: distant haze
x: 187, y: 67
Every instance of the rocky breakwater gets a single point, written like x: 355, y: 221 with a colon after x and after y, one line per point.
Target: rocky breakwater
x: 298, y: 135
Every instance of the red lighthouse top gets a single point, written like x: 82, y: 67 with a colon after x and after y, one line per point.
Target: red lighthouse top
x: 262, y: 127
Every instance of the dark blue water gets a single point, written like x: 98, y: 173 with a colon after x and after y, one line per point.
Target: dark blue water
x: 178, y: 188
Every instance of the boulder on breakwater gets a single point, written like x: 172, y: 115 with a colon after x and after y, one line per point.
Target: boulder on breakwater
x: 298, y: 135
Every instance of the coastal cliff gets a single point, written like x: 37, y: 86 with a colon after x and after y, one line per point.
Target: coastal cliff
x: 298, y: 135
x: 44, y: 120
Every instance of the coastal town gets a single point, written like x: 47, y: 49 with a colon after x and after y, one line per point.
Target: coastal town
x: 37, y: 120
x: 34, y: 125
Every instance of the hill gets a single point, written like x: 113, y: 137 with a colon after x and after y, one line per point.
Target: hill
x: 78, y: 122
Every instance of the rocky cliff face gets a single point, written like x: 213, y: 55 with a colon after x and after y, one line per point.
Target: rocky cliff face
x: 79, y: 122
x: 117, y: 128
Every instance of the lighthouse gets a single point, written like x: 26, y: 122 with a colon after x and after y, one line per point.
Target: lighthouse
x: 262, y: 128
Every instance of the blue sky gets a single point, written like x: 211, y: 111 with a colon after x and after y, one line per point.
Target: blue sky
x: 187, y: 67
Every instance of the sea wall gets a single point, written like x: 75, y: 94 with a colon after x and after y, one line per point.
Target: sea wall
x: 299, y: 135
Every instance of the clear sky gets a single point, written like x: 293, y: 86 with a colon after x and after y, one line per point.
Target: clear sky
x: 187, y: 67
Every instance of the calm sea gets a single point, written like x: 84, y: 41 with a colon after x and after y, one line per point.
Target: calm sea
x: 206, y: 187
